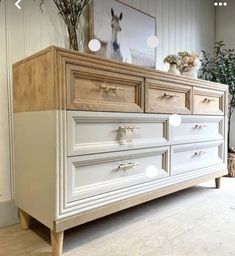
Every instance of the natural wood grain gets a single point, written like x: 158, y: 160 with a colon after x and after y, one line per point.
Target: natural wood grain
x: 33, y: 84
x: 166, y: 97
x: 57, y: 243
x: 208, y: 102
x: 24, y: 219
x: 39, y: 82
x: 94, y: 89
x: 218, y: 182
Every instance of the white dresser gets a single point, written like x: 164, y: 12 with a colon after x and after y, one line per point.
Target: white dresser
x: 93, y: 137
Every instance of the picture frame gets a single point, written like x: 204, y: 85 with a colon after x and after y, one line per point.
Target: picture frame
x: 123, y: 32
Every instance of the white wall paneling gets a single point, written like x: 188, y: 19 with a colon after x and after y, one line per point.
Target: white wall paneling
x: 224, y: 30
x: 181, y: 25
x: 23, y: 32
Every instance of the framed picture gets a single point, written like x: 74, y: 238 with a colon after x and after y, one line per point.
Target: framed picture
x: 123, y: 32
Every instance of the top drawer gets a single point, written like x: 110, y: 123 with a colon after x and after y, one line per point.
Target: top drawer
x: 165, y: 97
x: 208, y: 102
x: 98, y: 90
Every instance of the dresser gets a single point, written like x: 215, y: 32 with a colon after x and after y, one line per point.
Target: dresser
x: 94, y: 136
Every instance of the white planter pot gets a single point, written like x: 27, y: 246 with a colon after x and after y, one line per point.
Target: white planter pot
x: 191, y: 73
x: 173, y: 69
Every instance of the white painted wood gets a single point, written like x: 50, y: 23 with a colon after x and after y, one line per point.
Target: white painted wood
x: 198, y: 128
x: 101, y: 200
x: 188, y: 157
x: 23, y: 32
x: 30, y: 30
x: 92, y: 175
x: 91, y: 132
x: 5, y: 175
x: 36, y: 163
x: 8, y: 213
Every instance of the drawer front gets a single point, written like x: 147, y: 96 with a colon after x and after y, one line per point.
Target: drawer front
x: 190, y: 157
x: 89, y: 176
x: 162, y: 97
x: 198, y: 128
x: 96, y: 132
x: 94, y: 89
x: 208, y: 102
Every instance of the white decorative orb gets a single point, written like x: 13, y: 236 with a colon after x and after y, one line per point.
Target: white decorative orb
x: 151, y: 171
x: 175, y: 120
x: 152, y: 42
x: 220, y: 3
x: 215, y: 4
x: 94, y: 45
x: 225, y: 3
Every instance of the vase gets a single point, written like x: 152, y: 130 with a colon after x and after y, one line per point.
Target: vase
x: 173, y: 69
x: 191, y: 73
x: 76, y: 37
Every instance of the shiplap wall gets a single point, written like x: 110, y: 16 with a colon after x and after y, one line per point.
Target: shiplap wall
x: 181, y: 25
x: 224, y: 31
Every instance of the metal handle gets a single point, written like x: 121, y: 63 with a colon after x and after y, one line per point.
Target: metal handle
x: 199, y: 126
x: 169, y: 95
x: 132, y: 128
x: 127, y: 165
x: 199, y: 153
x: 208, y: 100
x: 106, y: 87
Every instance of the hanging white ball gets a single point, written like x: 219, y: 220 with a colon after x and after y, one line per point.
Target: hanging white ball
x: 175, y: 120
x: 94, y: 45
x: 152, y: 41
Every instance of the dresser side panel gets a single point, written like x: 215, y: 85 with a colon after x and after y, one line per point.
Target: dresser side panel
x: 35, y: 164
x: 33, y: 83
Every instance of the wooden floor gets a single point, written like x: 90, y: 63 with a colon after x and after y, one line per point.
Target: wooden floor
x: 198, y: 221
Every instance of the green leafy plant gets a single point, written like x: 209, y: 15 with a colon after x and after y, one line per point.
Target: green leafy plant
x: 220, y: 68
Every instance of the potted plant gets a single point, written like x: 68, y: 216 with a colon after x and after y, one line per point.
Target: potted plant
x: 174, y: 62
x: 220, y: 68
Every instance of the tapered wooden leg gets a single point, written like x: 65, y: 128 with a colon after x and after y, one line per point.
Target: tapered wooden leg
x: 24, y: 219
x: 217, y: 182
x: 57, y: 243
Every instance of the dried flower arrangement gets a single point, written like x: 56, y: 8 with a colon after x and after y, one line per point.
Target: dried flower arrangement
x: 189, y: 61
x: 173, y: 59
x: 70, y: 11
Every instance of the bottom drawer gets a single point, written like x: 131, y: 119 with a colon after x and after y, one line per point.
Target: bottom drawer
x: 190, y: 157
x: 92, y: 175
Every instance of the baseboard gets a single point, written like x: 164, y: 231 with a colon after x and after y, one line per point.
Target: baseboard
x: 8, y: 214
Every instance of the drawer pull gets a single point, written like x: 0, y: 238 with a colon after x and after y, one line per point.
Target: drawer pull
x: 129, y: 132
x: 106, y: 87
x: 199, y: 153
x: 208, y: 100
x: 167, y: 95
x: 132, y: 128
x: 199, y: 126
x: 127, y: 165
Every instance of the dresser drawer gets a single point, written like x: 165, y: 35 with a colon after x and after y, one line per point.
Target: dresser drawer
x: 190, y: 157
x: 92, y: 175
x: 208, y: 102
x: 198, y: 128
x: 94, y: 89
x: 97, y: 132
x: 163, y: 97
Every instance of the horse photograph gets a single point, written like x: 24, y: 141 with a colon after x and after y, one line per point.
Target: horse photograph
x: 123, y: 32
